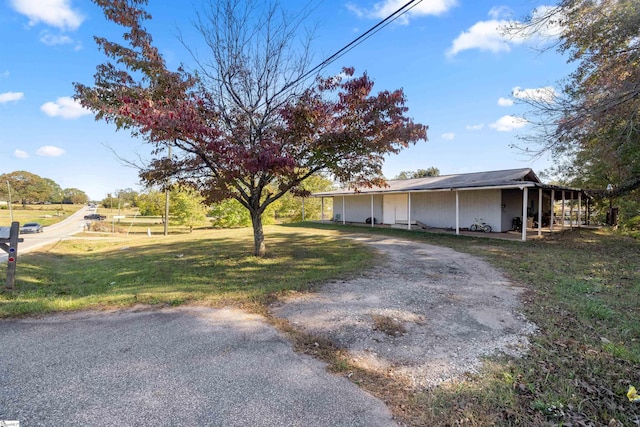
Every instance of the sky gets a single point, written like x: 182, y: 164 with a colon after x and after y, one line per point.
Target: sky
x: 461, y: 75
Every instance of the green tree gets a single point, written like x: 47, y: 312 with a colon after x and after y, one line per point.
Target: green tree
x: 75, y: 196
x: 420, y: 173
x: 27, y: 187
x: 289, y: 207
x: 128, y: 197
x: 187, y: 207
x: 151, y: 203
x: 229, y: 213
x: 53, y: 191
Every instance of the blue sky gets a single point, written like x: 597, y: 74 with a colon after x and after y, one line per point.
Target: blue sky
x: 461, y: 76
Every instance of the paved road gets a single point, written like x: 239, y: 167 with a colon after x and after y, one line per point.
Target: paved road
x: 172, y: 367
x: 51, y: 234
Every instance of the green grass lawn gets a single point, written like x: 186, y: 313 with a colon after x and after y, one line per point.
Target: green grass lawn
x: 208, y: 266
x: 44, y: 214
x: 583, y: 288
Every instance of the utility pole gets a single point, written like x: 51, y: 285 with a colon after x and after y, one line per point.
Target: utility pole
x: 10, y: 208
x: 166, y: 201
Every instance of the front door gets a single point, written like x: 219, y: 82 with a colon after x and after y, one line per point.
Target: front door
x: 394, y: 208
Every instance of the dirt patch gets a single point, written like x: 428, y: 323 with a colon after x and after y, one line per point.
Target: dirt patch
x: 425, y: 314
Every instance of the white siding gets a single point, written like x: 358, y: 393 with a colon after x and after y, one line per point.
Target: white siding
x: 358, y: 208
x: 483, y: 204
x: 436, y: 209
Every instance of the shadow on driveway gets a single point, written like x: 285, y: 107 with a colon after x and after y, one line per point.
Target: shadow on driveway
x: 183, y: 366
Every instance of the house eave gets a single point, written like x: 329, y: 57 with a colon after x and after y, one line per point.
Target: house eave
x: 519, y: 186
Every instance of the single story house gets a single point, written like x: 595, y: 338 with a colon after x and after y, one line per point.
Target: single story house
x: 499, y: 198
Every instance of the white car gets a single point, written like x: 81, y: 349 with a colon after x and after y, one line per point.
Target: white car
x: 31, y: 227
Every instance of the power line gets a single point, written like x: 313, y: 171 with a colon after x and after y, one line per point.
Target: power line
x: 358, y: 40
x: 364, y: 36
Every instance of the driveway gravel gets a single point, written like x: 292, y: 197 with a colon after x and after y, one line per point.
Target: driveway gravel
x: 454, y: 308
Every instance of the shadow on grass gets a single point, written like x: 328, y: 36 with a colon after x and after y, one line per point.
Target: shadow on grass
x: 213, y: 267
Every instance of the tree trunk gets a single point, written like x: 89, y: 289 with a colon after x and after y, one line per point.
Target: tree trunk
x: 258, y: 235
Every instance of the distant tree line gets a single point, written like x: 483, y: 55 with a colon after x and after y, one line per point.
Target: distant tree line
x: 28, y: 188
x: 420, y: 173
x: 187, y: 207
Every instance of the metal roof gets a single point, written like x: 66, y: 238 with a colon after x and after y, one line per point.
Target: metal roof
x: 511, y: 178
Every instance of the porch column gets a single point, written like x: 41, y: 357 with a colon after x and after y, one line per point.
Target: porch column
x: 372, y: 221
x: 562, y: 223
x: 321, y: 209
x: 409, y: 211
x: 553, y: 211
x: 579, y: 209
x: 571, y: 210
x: 540, y: 212
x: 525, y: 196
x: 457, y: 213
x: 344, y: 220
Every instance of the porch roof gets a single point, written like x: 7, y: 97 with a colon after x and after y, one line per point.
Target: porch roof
x: 510, y: 178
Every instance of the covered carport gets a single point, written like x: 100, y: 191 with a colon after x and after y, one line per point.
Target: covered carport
x: 502, y: 196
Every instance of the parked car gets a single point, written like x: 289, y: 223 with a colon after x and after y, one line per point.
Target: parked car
x: 31, y: 227
x: 95, y: 216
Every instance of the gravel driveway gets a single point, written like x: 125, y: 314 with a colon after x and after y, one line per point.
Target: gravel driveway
x: 454, y: 308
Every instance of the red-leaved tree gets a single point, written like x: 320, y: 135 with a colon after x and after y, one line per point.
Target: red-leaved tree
x: 242, y: 126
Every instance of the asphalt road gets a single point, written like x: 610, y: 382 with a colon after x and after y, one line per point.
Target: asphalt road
x: 51, y: 234
x: 170, y: 367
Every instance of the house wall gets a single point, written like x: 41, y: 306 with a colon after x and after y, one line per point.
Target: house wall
x: 358, y: 208
x: 434, y: 209
x: 512, y: 202
x: 481, y: 204
x: 437, y: 209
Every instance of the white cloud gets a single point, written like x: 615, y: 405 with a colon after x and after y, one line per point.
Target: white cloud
x: 20, y: 154
x: 505, y: 102
x: 484, y: 35
x: 50, y: 151
x: 449, y: 136
x: 10, y: 96
x: 500, y: 33
x: 499, y: 12
x: 55, y: 39
x: 475, y: 127
x: 545, y: 94
x: 508, y: 123
x: 384, y: 8
x: 56, y: 13
x: 4, y: 74
x: 64, y: 107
